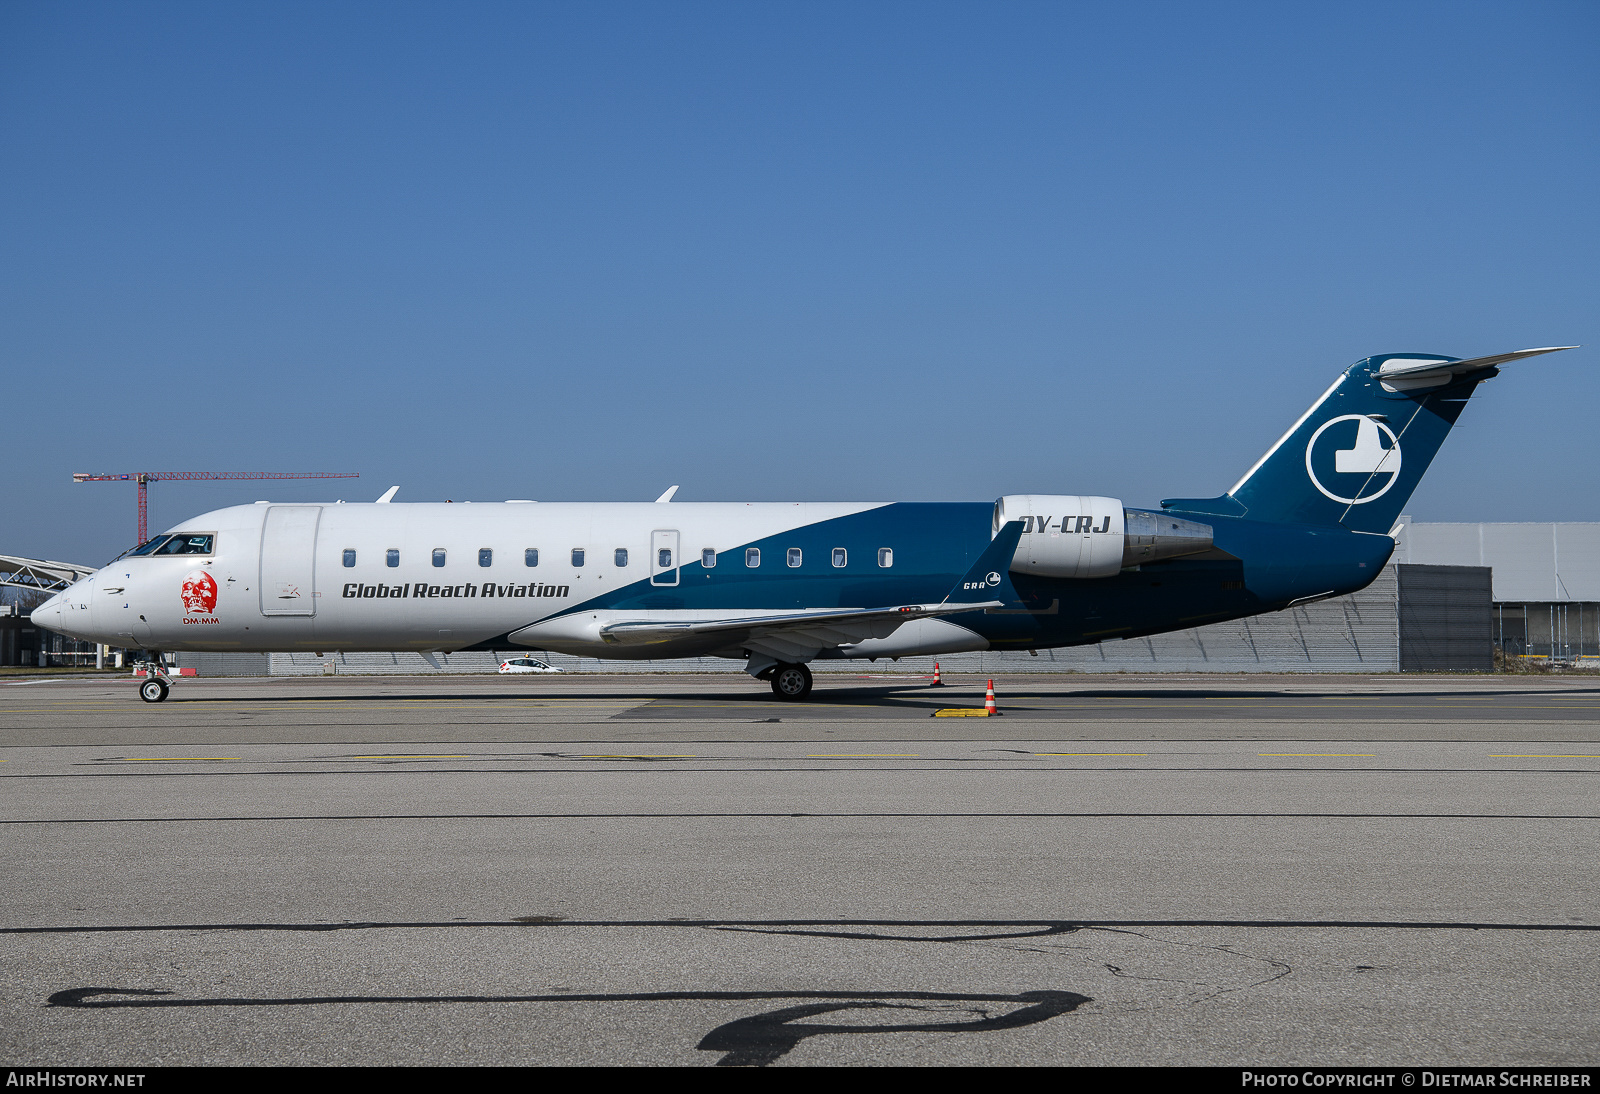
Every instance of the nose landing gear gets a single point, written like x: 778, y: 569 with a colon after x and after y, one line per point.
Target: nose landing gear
x: 153, y: 688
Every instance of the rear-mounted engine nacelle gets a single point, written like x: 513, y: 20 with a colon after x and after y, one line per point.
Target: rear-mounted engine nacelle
x: 1151, y: 537
x: 1080, y: 536
x: 1064, y: 535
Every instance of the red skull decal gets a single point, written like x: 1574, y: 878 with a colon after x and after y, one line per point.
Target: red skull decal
x: 199, y: 593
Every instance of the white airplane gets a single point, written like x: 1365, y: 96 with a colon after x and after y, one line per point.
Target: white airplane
x: 781, y: 585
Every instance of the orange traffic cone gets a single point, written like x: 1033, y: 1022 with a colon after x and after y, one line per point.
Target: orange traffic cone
x: 988, y: 701
x: 937, y: 683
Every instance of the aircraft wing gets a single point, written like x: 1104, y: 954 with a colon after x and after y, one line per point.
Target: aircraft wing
x: 799, y: 635
x: 811, y: 629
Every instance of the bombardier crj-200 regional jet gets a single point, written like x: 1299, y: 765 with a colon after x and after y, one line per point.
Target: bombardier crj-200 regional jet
x: 780, y: 585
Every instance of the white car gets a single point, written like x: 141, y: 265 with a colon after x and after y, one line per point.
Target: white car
x: 526, y: 664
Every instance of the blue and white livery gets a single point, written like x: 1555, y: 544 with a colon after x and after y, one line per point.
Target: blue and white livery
x: 781, y: 585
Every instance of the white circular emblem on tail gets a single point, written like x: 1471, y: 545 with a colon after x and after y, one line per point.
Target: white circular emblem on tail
x: 1368, y: 457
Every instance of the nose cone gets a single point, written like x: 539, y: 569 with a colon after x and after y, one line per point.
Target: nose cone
x: 48, y: 614
x: 67, y: 613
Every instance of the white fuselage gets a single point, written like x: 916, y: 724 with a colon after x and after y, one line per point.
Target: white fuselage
x: 430, y: 576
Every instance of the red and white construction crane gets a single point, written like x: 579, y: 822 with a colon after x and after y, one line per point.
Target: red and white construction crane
x: 144, y: 478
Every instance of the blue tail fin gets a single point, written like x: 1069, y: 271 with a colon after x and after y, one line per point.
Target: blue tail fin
x: 1354, y: 458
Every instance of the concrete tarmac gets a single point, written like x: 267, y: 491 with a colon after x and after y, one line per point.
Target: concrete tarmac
x: 1232, y: 870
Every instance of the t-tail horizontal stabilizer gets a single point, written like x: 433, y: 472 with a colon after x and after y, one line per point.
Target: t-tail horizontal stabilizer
x: 1401, y: 373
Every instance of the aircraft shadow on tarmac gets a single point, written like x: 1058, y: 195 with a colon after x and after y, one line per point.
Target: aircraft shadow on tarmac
x: 753, y: 1041
x: 760, y: 698
x: 911, y: 695
x: 765, y: 1037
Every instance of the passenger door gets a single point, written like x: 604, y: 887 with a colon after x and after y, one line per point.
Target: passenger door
x: 288, y: 560
x: 664, y: 557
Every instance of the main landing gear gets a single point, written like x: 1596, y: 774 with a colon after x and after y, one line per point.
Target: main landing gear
x: 791, y: 682
x: 153, y: 688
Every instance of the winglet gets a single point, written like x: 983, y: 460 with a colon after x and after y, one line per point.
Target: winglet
x: 430, y: 659
x: 388, y: 495
x: 991, y: 574
x: 664, y: 498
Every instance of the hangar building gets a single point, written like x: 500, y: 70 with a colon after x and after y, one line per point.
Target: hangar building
x: 1546, y: 580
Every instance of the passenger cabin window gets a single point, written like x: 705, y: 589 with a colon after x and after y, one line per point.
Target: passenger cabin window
x: 577, y: 556
x: 438, y: 556
x: 708, y: 557
x: 391, y: 558
x: 794, y: 557
x: 485, y: 556
x: 621, y: 556
x: 886, y: 557
x: 752, y: 557
x: 349, y: 557
x: 186, y: 543
x: 530, y: 557
x: 664, y: 558
x: 840, y: 557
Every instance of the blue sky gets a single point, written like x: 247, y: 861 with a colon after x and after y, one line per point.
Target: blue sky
x: 768, y: 251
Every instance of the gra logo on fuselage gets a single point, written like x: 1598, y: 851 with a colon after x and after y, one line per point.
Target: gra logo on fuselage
x: 1369, y: 465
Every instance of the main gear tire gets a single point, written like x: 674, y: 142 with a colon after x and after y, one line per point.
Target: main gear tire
x: 153, y: 691
x: 791, y: 682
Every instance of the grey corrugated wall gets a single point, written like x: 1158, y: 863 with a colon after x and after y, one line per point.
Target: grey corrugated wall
x: 1446, y: 619
x: 227, y: 664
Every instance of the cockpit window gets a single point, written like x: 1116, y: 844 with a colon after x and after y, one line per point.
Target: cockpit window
x: 147, y: 547
x: 187, y: 543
